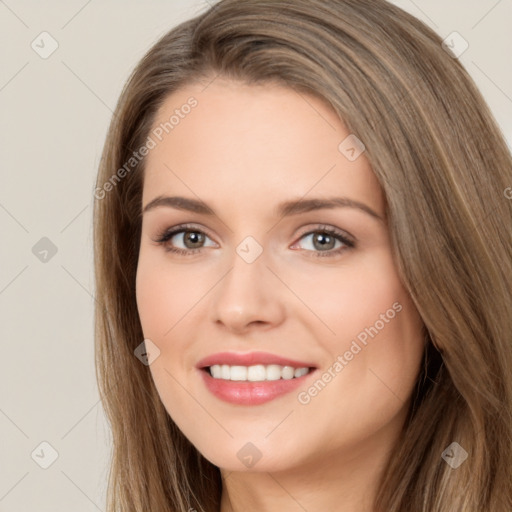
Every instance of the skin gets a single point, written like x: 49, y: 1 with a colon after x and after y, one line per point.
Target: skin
x: 243, y: 150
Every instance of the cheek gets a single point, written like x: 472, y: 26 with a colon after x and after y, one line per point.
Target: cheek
x: 382, y: 344
x: 150, y: 300
x: 352, y: 297
x: 162, y: 296
x: 161, y: 304
x: 373, y: 365
x: 164, y: 301
x: 373, y: 323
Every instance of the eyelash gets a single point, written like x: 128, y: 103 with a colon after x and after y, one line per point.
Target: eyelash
x: 167, y: 234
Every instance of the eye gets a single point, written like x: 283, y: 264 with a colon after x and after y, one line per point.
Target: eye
x: 322, y: 241
x: 189, y: 236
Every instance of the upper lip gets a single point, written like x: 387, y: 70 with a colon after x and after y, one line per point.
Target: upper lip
x: 250, y: 359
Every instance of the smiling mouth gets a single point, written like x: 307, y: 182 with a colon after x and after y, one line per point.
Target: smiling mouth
x: 256, y: 373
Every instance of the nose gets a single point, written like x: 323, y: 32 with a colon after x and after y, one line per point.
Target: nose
x: 249, y: 296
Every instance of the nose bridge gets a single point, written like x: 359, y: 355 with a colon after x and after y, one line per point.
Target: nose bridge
x: 247, y: 293
x: 248, y: 275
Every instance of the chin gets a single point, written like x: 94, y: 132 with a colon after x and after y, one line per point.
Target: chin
x: 248, y: 456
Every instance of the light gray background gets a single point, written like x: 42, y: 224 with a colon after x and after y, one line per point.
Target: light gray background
x: 55, y: 114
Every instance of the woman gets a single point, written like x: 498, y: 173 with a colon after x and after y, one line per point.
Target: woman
x: 304, y: 269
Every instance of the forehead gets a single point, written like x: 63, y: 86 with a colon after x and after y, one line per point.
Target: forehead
x: 256, y: 142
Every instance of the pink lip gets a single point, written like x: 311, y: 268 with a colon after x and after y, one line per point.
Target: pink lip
x: 250, y: 359
x: 250, y: 393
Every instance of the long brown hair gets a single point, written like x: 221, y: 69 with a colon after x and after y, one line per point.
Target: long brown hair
x: 444, y: 167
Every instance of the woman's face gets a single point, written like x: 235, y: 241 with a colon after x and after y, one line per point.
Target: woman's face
x: 293, y: 304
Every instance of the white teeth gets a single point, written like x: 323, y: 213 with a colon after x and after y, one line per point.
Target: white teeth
x: 287, y: 372
x: 238, y: 373
x: 256, y: 373
x: 225, y: 372
x: 274, y: 372
x: 216, y: 371
x: 299, y: 372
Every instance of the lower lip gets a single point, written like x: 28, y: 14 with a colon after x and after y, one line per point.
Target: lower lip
x: 251, y: 393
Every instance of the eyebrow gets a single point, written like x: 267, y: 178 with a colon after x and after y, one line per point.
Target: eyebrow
x: 285, y: 209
